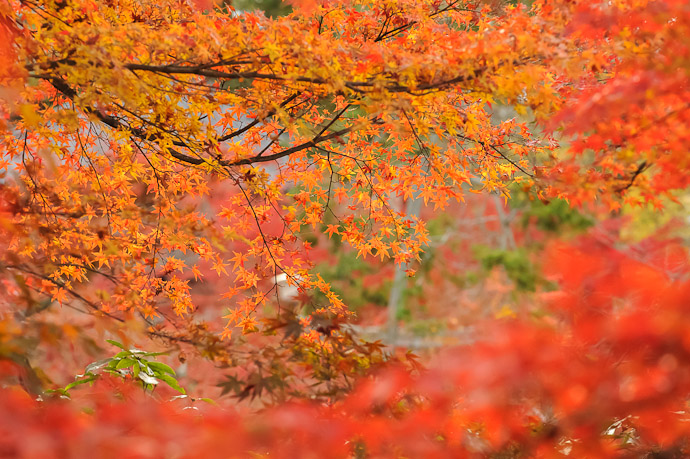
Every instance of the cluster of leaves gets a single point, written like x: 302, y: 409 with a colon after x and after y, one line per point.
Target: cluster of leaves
x: 111, y: 176
x: 128, y: 362
x: 632, y: 130
x: 314, y: 357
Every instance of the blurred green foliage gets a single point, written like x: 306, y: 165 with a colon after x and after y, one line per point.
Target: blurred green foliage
x: 516, y: 263
x: 555, y: 216
x: 347, y: 276
x: 642, y: 222
x: 272, y: 8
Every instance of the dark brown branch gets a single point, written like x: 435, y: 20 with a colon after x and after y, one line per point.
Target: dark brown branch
x: 643, y: 166
x: 257, y: 120
x: 393, y: 32
x: 312, y: 143
x: 142, y: 134
x: 114, y: 123
x: 357, y: 86
x: 62, y: 285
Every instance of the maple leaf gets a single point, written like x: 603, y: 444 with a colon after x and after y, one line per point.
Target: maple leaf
x: 331, y: 229
x: 219, y: 267
x: 239, y: 259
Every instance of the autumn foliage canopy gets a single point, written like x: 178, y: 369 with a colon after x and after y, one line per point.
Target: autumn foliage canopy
x: 175, y: 174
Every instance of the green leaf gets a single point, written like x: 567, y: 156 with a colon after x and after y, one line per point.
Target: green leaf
x: 135, y: 369
x: 115, y: 343
x: 61, y: 391
x: 208, y: 400
x: 172, y: 382
x: 124, y: 363
x: 79, y: 382
x: 159, y: 367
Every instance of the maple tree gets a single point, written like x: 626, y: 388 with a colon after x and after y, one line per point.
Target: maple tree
x: 165, y: 163
x: 112, y: 178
